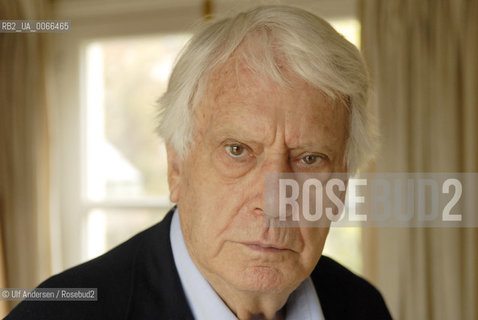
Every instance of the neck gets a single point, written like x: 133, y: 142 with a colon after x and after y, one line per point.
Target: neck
x: 249, y: 305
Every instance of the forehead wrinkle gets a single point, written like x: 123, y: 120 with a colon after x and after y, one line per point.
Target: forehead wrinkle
x: 238, y: 98
x: 243, y: 122
x: 322, y: 129
x: 308, y: 128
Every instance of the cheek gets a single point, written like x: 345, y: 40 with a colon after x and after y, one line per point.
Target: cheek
x: 209, y: 205
x: 314, y: 241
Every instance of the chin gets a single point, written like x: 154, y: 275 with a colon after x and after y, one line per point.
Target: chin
x: 262, y: 279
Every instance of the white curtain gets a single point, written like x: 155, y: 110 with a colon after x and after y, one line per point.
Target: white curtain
x: 24, y: 152
x: 424, y: 61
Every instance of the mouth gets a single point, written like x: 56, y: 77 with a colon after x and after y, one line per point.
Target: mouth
x: 267, y: 248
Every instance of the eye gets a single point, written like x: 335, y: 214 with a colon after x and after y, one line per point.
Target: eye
x: 311, y: 159
x: 236, y: 150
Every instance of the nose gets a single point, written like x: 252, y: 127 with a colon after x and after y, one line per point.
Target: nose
x: 266, y: 182
x: 277, y: 162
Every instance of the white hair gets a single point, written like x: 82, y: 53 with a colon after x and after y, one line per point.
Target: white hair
x: 308, y: 45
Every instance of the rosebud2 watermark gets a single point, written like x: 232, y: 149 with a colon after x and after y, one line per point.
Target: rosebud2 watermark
x: 378, y: 199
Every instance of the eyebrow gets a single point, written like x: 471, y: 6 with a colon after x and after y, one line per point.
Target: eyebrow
x: 240, y: 134
x: 311, y: 146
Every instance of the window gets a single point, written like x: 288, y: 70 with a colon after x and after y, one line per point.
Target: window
x: 124, y: 169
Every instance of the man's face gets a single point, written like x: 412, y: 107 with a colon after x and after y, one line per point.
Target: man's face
x: 247, y: 126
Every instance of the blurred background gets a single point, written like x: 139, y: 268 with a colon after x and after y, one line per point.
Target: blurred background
x: 81, y: 169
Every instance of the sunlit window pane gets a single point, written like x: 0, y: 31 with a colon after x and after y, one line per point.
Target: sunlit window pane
x: 124, y: 78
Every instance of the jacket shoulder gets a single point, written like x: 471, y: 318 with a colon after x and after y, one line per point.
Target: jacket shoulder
x: 112, y: 274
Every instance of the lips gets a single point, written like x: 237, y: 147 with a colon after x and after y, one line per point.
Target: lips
x: 265, y: 247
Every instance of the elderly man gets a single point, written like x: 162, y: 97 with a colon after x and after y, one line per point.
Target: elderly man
x: 274, y: 89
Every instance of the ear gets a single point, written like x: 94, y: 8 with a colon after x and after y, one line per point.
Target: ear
x: 174, y: 173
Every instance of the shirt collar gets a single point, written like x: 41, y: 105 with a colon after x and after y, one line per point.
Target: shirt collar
x: 303, y: 303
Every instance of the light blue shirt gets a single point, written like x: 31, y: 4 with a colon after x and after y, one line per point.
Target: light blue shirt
x: 205, y: 304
